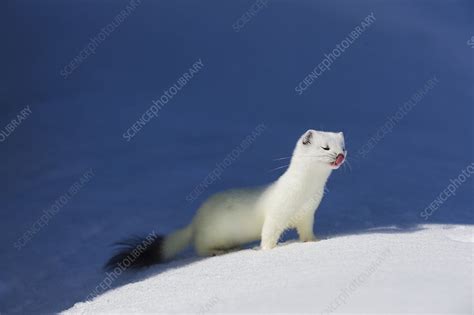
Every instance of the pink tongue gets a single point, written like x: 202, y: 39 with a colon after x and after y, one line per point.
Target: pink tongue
x: 339, y: 159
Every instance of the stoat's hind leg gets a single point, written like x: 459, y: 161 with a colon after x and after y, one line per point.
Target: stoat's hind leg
x: 203, y: 250
x: 217, y: 251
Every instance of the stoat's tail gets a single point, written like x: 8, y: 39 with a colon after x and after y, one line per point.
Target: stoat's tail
x: 138, y: 252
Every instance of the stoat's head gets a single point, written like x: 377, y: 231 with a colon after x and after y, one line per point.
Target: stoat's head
x: 325, y: 148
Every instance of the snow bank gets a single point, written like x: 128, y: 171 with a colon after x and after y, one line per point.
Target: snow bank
x: 429, y: 270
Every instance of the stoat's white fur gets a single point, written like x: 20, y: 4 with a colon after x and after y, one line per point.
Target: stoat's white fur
x: 238, y: 216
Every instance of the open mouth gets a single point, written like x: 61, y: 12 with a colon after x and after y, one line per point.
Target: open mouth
x: 338, y: 161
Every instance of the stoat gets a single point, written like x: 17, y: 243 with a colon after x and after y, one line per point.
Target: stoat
x: 234, y: 217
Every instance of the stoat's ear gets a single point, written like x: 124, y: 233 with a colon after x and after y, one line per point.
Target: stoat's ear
x: 307, y: 137
x: 341, y: 134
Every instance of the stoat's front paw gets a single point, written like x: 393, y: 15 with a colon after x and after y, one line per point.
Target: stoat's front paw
x: 310, y: 239
x: 267, y: 246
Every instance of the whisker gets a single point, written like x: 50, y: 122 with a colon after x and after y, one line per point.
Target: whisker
x: 349, y: 165
x: 283, y: 158
x: 277, y: 168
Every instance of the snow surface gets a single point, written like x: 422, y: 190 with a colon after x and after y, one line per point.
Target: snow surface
x: 427, y: 271
x: 248, y: 79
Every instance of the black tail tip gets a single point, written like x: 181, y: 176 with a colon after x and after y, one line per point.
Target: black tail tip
x: 137, y: 252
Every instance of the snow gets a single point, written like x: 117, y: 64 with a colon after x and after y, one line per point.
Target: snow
x: 248, y: 78
x: 427, y: 271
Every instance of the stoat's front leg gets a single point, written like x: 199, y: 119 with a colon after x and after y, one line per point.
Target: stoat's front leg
x: 304, y: 227
x: 271, y: 232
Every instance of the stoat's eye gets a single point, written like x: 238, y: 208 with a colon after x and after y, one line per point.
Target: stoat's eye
x: 325, y: 148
